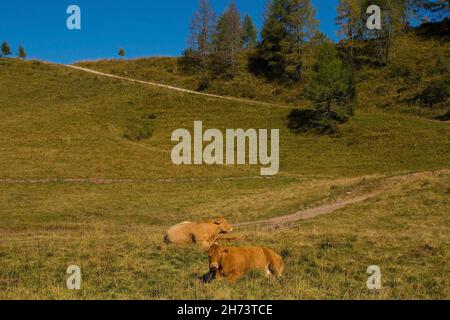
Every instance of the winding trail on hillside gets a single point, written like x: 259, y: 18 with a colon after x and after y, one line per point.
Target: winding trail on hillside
x: 279, y: 222
x: 155, y: 84
x: 108, y: 181
x: 387, y: 183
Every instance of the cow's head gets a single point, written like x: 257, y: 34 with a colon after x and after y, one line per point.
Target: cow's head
x: 223, y: 225
x: 215, y: 254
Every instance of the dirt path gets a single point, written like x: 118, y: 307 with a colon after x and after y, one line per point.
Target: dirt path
x: 307, y: 214
x: 155, y: 84
x: 388, y: 183
x: 107, y: 181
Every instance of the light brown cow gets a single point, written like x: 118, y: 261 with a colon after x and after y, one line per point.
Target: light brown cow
x: 203, y: 233
x: 232, y: 263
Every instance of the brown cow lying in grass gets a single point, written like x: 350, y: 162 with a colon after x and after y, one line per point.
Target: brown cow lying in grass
x: 232, y: 263
x: 203, y: 233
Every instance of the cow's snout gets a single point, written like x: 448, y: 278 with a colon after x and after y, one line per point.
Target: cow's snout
x: 214, y: 266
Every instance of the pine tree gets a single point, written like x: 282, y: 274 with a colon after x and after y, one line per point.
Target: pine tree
x: 331, y: 82
x: 227, y: 42
x: 203, y: 25
x: 273, y: 34
x: 121, y: 52
x: 6, y: 50
x: 250, y: 33
x: 21, y: 52
x: 289, y: 25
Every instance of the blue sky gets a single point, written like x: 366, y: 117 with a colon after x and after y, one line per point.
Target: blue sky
x: 142, y: 27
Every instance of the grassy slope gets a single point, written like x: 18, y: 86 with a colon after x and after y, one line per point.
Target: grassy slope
x: 415, y: 62
x: 404, y: 231
x: 60, y: 123
x: 167, y: 71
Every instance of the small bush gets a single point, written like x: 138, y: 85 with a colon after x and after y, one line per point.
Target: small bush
x: 150, y: 116
x: 400, y: 71
x: 436, y: 92
x: 189, y: 61
x: 302, y: 120
x: 444, y: 117
x: 203, y: 84
x: 325, y: 126
x: 342, y: 114
x: 246, y: 90
x: 138, y: 131
x: 309, y: 120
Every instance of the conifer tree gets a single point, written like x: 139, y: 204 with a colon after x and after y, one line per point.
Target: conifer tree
x: 352, y: 19
x: 6, y: 50
x: 288, y: 26
x: 21, y: 52
x: 227, y: 41
x: 351, y: 26
x: 393, y: 22
x: 203, y: 24
x: 273, y: 34
x: 250, y: 33
x: 302, y: 27
x: 331, y: 82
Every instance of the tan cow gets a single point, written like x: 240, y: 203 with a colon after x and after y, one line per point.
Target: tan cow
x: 232, y: 263
x: 203, y: 233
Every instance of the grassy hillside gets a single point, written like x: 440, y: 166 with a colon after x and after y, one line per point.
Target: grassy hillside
x: 415, y: 62
x: 404, y: 231
x: 73, y: 190
x: 166, y: 70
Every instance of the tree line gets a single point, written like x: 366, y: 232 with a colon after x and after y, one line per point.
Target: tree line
x: 216, y: 42
x: 6, y: 51
x: 290, y: 27
x: 289, y: 33
x: 361, y: 44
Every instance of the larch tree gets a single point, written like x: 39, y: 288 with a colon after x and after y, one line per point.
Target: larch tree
x: 21, y: 52
x: 228, y: 40
x: 351, y: 27
x: 352, y: 18
x: 250, y: 33
x: 301, y: 27
x: 203, y: 24
x: 393, y: 22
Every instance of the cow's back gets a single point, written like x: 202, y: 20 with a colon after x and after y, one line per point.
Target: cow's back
x: 249, y: 258
x: 180, y: 233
